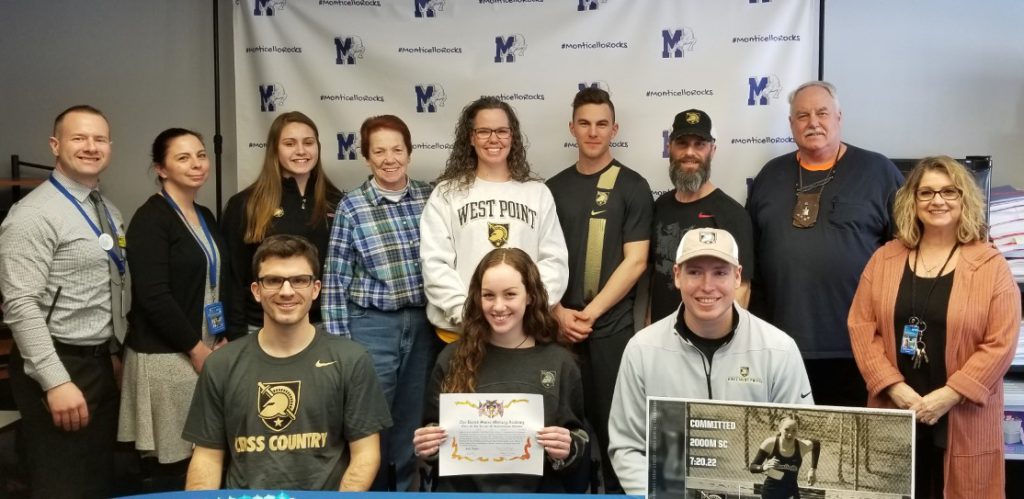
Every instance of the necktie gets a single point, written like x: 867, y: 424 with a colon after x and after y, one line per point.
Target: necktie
x: 117, y: 282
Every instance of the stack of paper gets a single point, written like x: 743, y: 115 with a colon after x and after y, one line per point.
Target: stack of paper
x: 1006, y: 219
x: 1018, y: 356
x: 1007, y: 226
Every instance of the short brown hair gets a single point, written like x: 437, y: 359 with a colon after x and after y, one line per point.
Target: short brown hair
x: 80, y: 108
x: 383, y: 122
x: 592, y: 95
x: 286, y: 246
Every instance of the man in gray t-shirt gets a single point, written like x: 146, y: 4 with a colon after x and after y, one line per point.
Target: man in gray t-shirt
x: 296, y: 408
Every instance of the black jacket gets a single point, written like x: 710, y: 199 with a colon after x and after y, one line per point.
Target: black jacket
x: 297, y: 210
x: 168, y: 278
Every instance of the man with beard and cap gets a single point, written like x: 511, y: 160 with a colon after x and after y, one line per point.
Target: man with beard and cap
x: 695, y: 203
x: 819, y: 213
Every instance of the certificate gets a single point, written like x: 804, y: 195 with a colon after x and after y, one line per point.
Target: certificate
x: 491, y: 433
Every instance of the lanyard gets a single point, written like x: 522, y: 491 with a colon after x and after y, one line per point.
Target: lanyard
x: 111, y: 252
x: 913, y: 283
x: 211, y: 258
x: 801, y: 188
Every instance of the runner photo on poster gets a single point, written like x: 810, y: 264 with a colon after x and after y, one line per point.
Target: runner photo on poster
x: 700, y: 449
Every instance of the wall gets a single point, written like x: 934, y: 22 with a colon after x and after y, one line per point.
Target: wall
x: 148, y: 65
x: 927, y: 77
x: 916, y: 77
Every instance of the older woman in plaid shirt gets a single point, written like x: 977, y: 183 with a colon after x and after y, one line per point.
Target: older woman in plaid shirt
x: 373, y: 287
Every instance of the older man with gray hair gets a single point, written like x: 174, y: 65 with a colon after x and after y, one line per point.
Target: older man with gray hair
x: 818, y: 214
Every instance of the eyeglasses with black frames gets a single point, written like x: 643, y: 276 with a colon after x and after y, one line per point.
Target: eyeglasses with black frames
x: 275, y: 282
x: 947, y: 193
x: 485, y: 133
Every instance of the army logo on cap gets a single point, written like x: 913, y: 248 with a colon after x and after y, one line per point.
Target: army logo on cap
x: 278, y: 403
x: 693, y: 118
x: 497, y: 234
x: 707, y: 237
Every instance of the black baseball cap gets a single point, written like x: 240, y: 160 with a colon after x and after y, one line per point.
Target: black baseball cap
x: 692, y: 122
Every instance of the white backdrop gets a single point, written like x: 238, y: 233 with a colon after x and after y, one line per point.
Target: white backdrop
x: 341, y: 61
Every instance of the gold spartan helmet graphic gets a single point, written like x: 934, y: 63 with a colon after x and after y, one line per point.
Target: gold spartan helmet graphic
x: 692, y: 118
x: 497, y: 234
x: 278, y: 403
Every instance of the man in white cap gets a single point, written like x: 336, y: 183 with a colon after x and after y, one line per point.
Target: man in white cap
x: 711, y: 348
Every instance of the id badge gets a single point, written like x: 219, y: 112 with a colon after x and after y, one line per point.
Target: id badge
x: 214, y: 313
x: 805, y: 211
x: 908, y: 345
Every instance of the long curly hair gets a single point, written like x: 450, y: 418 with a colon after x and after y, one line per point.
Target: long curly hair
x: 460, y: 168
x: 472, y: 347
x: 971, y: 226
x: 266, y: 190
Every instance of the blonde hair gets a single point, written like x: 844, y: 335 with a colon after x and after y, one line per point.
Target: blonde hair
x: 971, y: 226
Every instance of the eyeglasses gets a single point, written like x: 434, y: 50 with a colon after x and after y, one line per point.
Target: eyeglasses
x: 274, y: 282
x: 947, y: 193
x: 485, y: 133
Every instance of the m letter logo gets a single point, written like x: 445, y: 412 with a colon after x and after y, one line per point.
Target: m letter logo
x: 348, y: 49
x: 675, y: 43
x: 271, y: 97
x: 427, y: 8
x: 429, y: 97
x: 762, y: 88
x: 603, y: 85
x: 267, y: 7
x: 507, y: 48
x: 346, y: 145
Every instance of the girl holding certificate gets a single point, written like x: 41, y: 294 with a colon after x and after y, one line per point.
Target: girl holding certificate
x: 509, y: 346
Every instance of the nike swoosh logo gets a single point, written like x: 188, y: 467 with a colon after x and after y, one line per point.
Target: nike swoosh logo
x: 804, y: 395
x: 596, y: 213
x: 324, y: 364
x: 704, y: 215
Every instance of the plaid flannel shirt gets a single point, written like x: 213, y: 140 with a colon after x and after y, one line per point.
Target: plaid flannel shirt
x: 373, y: 259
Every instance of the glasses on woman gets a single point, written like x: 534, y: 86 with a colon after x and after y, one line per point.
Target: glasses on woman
x: 485, y: 133
x: 274, y: 282
x: 947, y: 193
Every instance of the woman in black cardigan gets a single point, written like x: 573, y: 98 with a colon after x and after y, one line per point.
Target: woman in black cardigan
x: 174, y: 250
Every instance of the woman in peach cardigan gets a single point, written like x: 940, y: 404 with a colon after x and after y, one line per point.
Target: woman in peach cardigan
x: 934, y: 326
